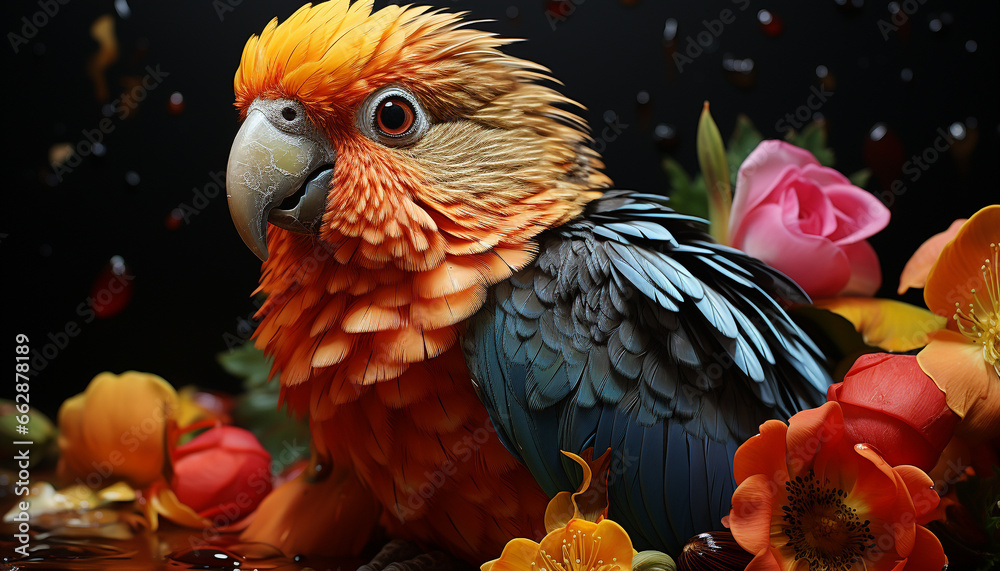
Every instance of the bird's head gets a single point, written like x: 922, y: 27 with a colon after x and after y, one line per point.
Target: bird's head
x: 401, y: 130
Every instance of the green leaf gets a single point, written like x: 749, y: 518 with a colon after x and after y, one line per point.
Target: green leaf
x: 686, y: 196
x: 257, y: 409
x: 715, y: 168
x: 860, y: 178
x: 813, y: 139
x: 744, y: 140
x: 248, y: 363
x: 980, y: 495
x: 40, y: 430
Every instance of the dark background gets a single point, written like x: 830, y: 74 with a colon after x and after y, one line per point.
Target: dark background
x: 192, y: 279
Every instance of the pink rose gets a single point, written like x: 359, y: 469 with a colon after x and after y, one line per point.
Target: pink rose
x: 807, y: 221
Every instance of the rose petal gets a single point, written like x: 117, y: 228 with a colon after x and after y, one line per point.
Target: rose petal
x: 825, y: 176
x: 920, y: 263
x: 758, y: 173
x: 814, y: 263
x: 866, y: 272
x: 806, y: 208
x: 896, y: 404
x: 862, y: 215
x: 894, y: 440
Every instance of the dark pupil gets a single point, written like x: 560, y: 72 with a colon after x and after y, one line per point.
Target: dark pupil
x: 392, y: 116
x: 288, y: 113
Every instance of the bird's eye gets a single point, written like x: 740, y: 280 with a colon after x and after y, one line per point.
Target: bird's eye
x: 394, y: 116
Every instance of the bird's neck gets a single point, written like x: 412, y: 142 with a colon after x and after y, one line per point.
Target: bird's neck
x: 338, y: 326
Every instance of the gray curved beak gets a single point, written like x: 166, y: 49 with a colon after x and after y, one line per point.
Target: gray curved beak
x: 267, y: 166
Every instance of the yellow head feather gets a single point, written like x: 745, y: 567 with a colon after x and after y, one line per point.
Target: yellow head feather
x: 331, y: 55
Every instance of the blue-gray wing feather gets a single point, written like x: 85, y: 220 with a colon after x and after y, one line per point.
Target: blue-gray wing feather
x: 633, y: 331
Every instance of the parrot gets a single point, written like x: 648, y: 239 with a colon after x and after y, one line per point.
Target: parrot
x: 456, y: 293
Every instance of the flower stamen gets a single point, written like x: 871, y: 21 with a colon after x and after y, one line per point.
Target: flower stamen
x: 821, y: 528
x: 980, y: 321
x: 578, y: 554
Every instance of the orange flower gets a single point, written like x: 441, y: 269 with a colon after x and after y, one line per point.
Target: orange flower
x: 964, y: 359
x: 114, y: 430
x: 579, y: 538
x: 920, y: 263
x: 808, y: 499
x: 579, y: 546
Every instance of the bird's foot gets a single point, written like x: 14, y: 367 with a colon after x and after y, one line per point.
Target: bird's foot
x: 398, y: 555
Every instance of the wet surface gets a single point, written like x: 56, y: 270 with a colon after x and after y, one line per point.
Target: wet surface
x: 170, y: 547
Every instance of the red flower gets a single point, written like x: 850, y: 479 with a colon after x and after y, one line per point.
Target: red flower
x: 222, y: 472
x: 809, y: 499
x: 890, y: 404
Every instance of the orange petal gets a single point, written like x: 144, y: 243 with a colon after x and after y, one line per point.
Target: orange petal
x: 882, y: 494
x: 970, y: 385
x: 809, y: 431
x: 518, y: 555
x: 127, y: 441
x: 752, y: 513
x: 957, y: 270
x: 560, y: 511
x: 916, y: 269
x: 165, y: 503
x: 927, y: 554
x: 877, y: 486
x: 764, y: 561
x: 921, y: 489
x: 762, y: 454
x: 615, y: 542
